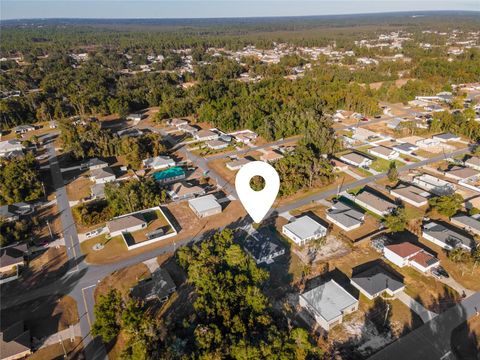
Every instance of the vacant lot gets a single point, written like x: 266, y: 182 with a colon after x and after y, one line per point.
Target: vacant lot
x: 79, y: 188
x: 48, y: 220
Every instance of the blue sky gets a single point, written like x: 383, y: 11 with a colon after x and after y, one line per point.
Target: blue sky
x: 24, y: 9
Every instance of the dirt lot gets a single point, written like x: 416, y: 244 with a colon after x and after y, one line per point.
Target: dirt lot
x: 79, y: 188
x: 44, y: 316
x: 122, y: 280
x: 74, y: 351
x: 41, y: 231
x: 185, y: 222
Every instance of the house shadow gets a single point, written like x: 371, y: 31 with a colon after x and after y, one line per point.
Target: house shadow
x: 172, y: 218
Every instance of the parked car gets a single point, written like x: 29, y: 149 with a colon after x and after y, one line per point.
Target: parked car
x: 93, y: 233
x: 377, y: 116
x: 439, y: 272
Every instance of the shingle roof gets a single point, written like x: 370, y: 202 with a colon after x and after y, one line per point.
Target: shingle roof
x: 355, y: 157
x: 102, y: 173
x: 13, y: 255
x: 14, y: 340
x: 376, y: 280
x: 375, y: 201
x: 470, y: 221
x: 345, y: 215
x: 446, y: 235
x: 329, y: 300
x: 424, y: 259
x: 125, y: 222
x: 160, y: 284
x: 404, y: 249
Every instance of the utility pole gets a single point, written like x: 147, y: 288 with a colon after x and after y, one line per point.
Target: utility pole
x: 44, y: 192
x: 63, y: 347
x: 386, y: 314
x: 50, y: 229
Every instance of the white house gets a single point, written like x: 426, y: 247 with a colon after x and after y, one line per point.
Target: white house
x: 236, y: 164
x: 304, y: 229
x: 405, y: 148
x: 375, y: 281
x: 126, y: 223
x: 356, y: 159
x: 328, y: 303
x: 374, y: 203
x: 102, y: 175
x: 408, y: 254
x: 205, y: 206
x: 217, y: 144
x: 473, y: 162
x: 384, y: 152
x: 447, y: 238
x: 10, y: 146
x: 434, y: 185
x: 446, y: 137
x: 205, y: 135
x: 158, y: 162
x: 411, y: 194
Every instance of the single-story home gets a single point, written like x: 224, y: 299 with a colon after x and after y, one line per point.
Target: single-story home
x: 205, y: 135
x: 13, y: 212
x: 236, y: 164
x: 188, y: 129
x: 375, y: 281
x: 102, y: 175
x: 12, y: 256
x: 467, y: 222
x: 328, y: 303
x: 304, y: 229
x: 183, y: 191
x: 205, y: 206
x: 408, y: 254
x: 126, y: 223
x: 461, y: 173
x: 374, y: 203
x: 411, y: 194
x: 15, y: 342
x: 158, y: 162
x: 405, y: 148
x: 244, y: 136
x: 178, y: 122
x: 434, y: 185
x: 271, y: 156
x: 159, y: 286
x: 473, y: 162
x: 10, y: 146
x: 384, y: 152
x: 169, y: 175
x: 94, y: 164
x: 135, y: 117
x: 22, y: 129
x: 446, y: 137
x: 217, y: 144
x: 356, y: 159
x: 365, y: 135
x: 447, y: 238
x: 262, y: 249
x: 132, y: 132
x: 344, y: 216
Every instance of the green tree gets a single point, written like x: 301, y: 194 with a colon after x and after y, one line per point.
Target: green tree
x: 447, y: 205
x: 397, y: 220
x: 108, y: 310
x: 392, y: 173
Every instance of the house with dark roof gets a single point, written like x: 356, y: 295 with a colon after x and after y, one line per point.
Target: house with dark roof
x: 467, y: 222
x: 12, y: 258
x: 374, y: 203
x: 344, y: 216
x: 408, y: 254
x: 445, y: 137
x: 159, y: 286
x: 262, y: 248
x: 405, y: 148
x: 411, y: 194
x: 375, y: 281
x: 15, y: 342
x: 447, y: 238
x: 328, y: 303
x: 126, y: 223
x: 13, y: 212
x: 102, y: 175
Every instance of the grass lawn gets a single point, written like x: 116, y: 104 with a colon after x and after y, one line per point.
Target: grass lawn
x: 361, y: 171
x: 155, y: 220
x: 382, y: 165
x: 74, y: 350
x: 79, y: 188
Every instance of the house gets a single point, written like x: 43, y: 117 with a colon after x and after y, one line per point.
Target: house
x: 473, y: 162
x: 339, y: 165
x: 169, y: 175
x: 341, y: 115
x: 188, y: 129
x: 94, y: 164
x: 447, y: 238
x: 384, y: 152
x: 135, y: 117
x: 205, y: 206
x: 10, y: 146
x: 216, y: 144
x: 434, y: 185
x: 245, y: 136
x: 22, y: 129
x: 408, y: 254
x: 374, y: 203
x: 178, y: 122
x: 374, y: 281
x: 132, y: 132
x: 356, y: 159
x: 183, y: 191
x: 304, y: 229
x: 467, y: 222
x: 446, y: 137
x: 271, y: 156
x: 126, y: 223
x: 328, y: 303
x: 13, y: 212
x: 460, y: 173
x: 344, y: 216
x: 411, y: 194
x: 205, y: 135
x: 158, y: 162
x: 236, y: 164
x: 102, y: 175
x: 405, y: 148
x: 159, y: 286
x: 12, y: 258
x: 262, y: 248
x: 395, y: 123
x: 15, y: 342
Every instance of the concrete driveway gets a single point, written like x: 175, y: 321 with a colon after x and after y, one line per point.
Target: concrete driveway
x: 416, y: 307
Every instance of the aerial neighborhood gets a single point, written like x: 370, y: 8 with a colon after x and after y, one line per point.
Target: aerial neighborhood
x: 120, y: 220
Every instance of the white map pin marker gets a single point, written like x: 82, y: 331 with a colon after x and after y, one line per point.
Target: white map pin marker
x: 257, y: 203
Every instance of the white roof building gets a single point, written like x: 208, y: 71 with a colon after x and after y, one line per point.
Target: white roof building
x: 304, y: 229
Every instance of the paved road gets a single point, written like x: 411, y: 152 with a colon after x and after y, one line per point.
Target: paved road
x: 432, y: 341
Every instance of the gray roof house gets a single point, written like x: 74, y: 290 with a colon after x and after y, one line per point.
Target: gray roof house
x: 205, y: 206
x: 304, y: 229
x: 158, y: 162
x: 159, y: 286
x: 375, y: 281
x: 446, y: 137
x: 405, y: 148
x: 473, y: 162
x: 469, y: 223
x: 411, y: 194
x: 126, y: 223
x: 15, y: 342
x: 14, y: 211
x: 344, y: 216
x: 262, y: 249
x: 447, y: 238
x: 374, y: 203
x: 328, y: 303
x: 102, y: 175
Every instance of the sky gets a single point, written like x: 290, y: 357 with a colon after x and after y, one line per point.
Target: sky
x: 27, y: 9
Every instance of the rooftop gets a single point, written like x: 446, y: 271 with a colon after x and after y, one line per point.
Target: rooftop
x: 345, y: 215
x: 125, y: 222
x: 355, y: 157
x: 404, y: 249
x: 172, y: 172
x: 305, y: 227
x: 376, y: 280
x: 160, y: 284
x: 102, y: 173
x: 469, y: 221
x: 375, y: 201
x: 204, y: 203
x: 446, y: 235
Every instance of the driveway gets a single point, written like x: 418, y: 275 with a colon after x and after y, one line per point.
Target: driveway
x: 416, y: 307
x: 455, y: 285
